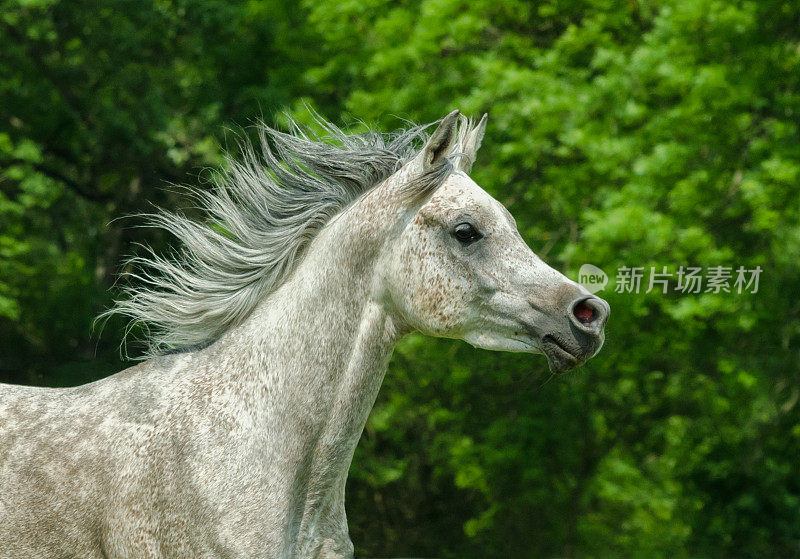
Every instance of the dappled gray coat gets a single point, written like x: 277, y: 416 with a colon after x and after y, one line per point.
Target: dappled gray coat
x: 270, y: 336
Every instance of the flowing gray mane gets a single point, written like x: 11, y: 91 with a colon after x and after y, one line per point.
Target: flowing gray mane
x: 245, y: 448
x: 259, y: 218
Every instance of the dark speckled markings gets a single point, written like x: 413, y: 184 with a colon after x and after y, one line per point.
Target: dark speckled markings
x: 240, y: 448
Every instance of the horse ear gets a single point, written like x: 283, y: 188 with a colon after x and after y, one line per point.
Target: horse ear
x: 440, y: 142
x: 428, y: 169
x: 472, y: 144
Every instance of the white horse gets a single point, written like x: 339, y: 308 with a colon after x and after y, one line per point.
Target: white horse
x: 270, y: 336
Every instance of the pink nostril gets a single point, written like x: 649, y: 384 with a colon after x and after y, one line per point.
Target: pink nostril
x: 584, y: 313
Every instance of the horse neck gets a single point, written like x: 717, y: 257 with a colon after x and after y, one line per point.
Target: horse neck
x: 317, y: 350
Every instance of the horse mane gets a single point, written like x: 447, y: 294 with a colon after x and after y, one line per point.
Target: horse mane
x: 257, y: 221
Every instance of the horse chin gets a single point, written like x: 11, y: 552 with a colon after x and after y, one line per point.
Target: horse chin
x: 559, y: 357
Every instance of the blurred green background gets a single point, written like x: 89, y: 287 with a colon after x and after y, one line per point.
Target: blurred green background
x: 621, y: 132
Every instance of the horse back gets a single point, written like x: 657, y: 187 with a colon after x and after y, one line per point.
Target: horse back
x: 60, y: 465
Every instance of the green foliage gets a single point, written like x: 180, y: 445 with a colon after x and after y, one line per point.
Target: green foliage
x: 101, y: 108
x: 622, y: 133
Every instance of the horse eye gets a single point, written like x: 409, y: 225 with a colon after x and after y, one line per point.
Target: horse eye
x: 466, y: 233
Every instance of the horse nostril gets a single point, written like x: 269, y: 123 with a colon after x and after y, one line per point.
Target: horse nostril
x: 589, y: 312
x: 584, y: 313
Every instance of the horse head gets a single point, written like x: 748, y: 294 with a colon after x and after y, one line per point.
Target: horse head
x: 458, y: 267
